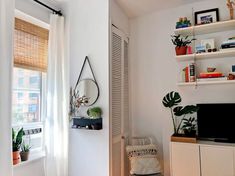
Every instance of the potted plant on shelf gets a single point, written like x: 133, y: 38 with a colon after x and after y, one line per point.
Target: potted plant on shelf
x: 95, y: 116
x: 94, y: 112
x: 189, y: 127
x: 17, y: 138
x: 178, y: 113
x: 181, y: 43
x: 25, y: 149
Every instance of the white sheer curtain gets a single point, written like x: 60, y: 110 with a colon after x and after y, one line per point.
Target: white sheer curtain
x: 56, y: 129
x: 6, y: 63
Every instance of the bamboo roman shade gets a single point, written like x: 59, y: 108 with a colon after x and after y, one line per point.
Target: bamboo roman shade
x: 30, y: 46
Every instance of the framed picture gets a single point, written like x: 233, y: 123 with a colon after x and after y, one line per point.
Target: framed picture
x: 207, y: 16
x: 208, y: 44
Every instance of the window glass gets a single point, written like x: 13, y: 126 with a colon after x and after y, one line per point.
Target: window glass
x: 26, y: 96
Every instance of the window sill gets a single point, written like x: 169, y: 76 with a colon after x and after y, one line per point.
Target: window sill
x: 33, y: 157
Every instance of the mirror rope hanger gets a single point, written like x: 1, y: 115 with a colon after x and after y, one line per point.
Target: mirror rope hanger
x: 83, y: 65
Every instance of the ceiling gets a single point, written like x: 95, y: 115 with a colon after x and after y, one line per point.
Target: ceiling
x: 134, y: 8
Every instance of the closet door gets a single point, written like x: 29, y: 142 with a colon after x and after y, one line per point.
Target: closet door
x: 119, y: 99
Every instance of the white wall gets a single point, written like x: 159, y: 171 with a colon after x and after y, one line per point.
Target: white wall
x: 89, y: 35
x: 155, y: 72
x: 33, y: 9
x: 34, y: 168
x: 118, y: 17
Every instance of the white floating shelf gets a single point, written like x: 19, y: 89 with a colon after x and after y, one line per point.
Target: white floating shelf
x: 218, y: 54
x: 207, y: 28
x: 206, y: 83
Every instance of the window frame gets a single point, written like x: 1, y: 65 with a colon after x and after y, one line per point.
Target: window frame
x: 43, y: 97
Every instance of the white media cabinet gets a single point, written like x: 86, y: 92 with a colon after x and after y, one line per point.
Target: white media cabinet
x: 202, y: 159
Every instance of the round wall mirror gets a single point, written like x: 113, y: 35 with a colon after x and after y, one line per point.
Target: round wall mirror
x: 89, y: 89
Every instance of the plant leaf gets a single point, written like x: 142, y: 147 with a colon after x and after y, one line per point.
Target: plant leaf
x: 189, y: 109
x: 171, y: 99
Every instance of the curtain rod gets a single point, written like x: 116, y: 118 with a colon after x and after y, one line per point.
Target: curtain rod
x: 58, y: 12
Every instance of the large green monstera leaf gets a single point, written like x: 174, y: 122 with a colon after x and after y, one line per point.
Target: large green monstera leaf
x: 171, y: 99
x: 189, y: 109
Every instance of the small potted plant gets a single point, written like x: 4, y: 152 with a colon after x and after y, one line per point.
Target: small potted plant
x: 17, y: 138
x: 181, y: 44
x: 189, y: 127
x: 178, y: 113
x: 25, y: 149
x: 94, y: 112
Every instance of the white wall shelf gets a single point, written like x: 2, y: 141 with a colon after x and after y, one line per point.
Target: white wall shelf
x: 207, y: 28
x: 218, y: 54
x: 205, y: 83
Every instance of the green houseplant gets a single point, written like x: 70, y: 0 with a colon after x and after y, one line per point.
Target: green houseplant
x: 181, y: 43
x: 189, y: 126
x: 94, y: 112
x: 17, y: 138
x: 178, y: 113
x: 25, y: 149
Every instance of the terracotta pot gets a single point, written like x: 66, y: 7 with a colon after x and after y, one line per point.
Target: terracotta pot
x: 24, y: 156
x: 16, y: 157
x: 181, y: 50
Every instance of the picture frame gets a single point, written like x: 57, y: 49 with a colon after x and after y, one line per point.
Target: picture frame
x: 208, y: 44
x: 206, y: 16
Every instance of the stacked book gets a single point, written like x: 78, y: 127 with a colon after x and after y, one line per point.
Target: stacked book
x: 228, y: 44
x: 211, y: 76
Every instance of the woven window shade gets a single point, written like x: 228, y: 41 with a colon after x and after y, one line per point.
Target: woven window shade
x: 30, y: 46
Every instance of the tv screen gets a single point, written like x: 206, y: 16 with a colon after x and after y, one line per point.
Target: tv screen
x: 216, y: 121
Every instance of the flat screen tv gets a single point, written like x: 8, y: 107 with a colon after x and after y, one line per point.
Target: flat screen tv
x: 216, y: 122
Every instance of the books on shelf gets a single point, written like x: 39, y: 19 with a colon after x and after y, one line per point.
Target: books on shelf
x: 189, y: 72
x: 210, y: 75
x: 212, y: 79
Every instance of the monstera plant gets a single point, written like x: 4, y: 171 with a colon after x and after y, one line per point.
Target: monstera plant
x: 178, y: 113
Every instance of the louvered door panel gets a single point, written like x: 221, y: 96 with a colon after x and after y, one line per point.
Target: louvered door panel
x: 119, y: 84
x: 116, y: 84
x: 126, y: 88
x: 125, y: 105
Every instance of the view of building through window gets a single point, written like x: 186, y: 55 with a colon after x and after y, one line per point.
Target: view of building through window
x: 26, y: 96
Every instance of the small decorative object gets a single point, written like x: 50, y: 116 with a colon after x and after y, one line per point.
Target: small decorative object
x: 76, y: 102
x: 178, y: 113
x: 211, y: 69
x: 231, y: 5
x: 192, y: 72
x: 212, y: 50
x: 94, y: 112
x: 181, y: 43
x: 189, y: 50
x: 186, y: 74
x: 233, y: 68
x: 231, y: 76
x: 17, y: 138
x: 25, y: 149
x: 208, y: 44
x: 200, y: 49
x: 207, y: 16
x: 189, y: 126
x: 183, y: 22
x: 230, y: 43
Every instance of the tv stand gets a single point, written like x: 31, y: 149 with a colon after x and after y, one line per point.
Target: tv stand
x: 205, y: 158
x: 225, y: 140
